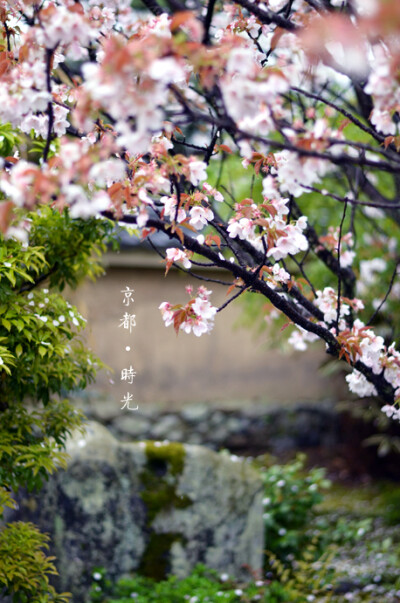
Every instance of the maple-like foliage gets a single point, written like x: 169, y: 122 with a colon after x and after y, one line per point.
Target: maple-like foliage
x: 261, y: 137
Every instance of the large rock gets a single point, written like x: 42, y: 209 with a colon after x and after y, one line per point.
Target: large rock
x: 150, y: 507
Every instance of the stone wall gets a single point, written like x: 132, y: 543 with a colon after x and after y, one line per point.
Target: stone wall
x: 247, y: 428
x: 152, y: 507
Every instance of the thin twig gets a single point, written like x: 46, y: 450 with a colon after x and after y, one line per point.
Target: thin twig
x: 231, y: 299
x: 386, y: 296
x: 378, y: 137
x: 339, y: 271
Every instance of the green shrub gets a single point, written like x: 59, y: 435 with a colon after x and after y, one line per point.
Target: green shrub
x: 42, y: 359
x: 291, y: 496
x: 25, y: 569
x: 206, y: 586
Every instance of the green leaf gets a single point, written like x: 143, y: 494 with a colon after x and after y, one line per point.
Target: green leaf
x: 11, y: 277
x: 6, y: 323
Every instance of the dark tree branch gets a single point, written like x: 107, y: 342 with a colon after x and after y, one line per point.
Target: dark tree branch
x: 227, y: 124
x: 378, y: 137
x: 29, y: 286
x: 339, y: 293
x: 207, y: 21
x: 50, y: 112
x: 155, y: 8
x: 8, y: 35
x: 295, y: 312
x: 268, y: 17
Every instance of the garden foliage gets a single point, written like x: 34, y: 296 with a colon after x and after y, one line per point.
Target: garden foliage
x: 42, y: 359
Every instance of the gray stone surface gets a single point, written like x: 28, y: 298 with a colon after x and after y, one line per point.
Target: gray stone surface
x: 245, y: 429
x: 132, y: 425
x: 169, y: 427
x: 195, y: 412
x: 155, y: 507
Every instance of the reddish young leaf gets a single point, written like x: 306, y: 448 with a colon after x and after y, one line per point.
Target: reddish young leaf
x: 5, y: 214
x: 224, y: 148
x: 180, y: 19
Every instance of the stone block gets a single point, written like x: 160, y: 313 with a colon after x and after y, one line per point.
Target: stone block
x: 151, y: 507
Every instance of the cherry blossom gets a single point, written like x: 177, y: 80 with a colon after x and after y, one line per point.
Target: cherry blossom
x: 177, y: 255
x: 199, y: 216
x: 196, y: 316
x: 359, y: 385
x: 260, y: 137
x: 326, y: 301
x: 198, y: 172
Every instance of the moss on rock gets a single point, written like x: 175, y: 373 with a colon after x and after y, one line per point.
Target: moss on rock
x: 155, y: 561
x: 160, y: 477
x: 172, y: 453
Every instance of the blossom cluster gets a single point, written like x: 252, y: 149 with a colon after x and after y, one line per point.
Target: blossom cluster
x: 136, y: 116
x: 197, y: 316
x: 266, y: 225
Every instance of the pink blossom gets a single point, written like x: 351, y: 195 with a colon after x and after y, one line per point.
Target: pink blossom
x: 242, y: 228
x: 359, y: 385
x: 82, y: 206
x: 270, y: 190
x: 200, y: 327
x: 242, y: 61
x: 203, y: 308
x: 280, y: 275
x: 200, y: 216
x: 167, y: 70
x: 178, y: 255
x: 288, y: 245
x: 213, y: 192
x: 391, y: 412
x: 142, y: 218
x: 383, y: 121
x: 61, y: 123
x: 281, y: 206
x: 300, y: 338
x: 276, y: 5
x: 170, y: 209
x: 167, y: 314
x: 326, y: 301
x: 107, y: 172
x: 372, y: 347
x: 198, y: 172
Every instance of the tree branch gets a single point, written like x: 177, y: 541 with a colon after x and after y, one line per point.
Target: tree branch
x: 268, y: 17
